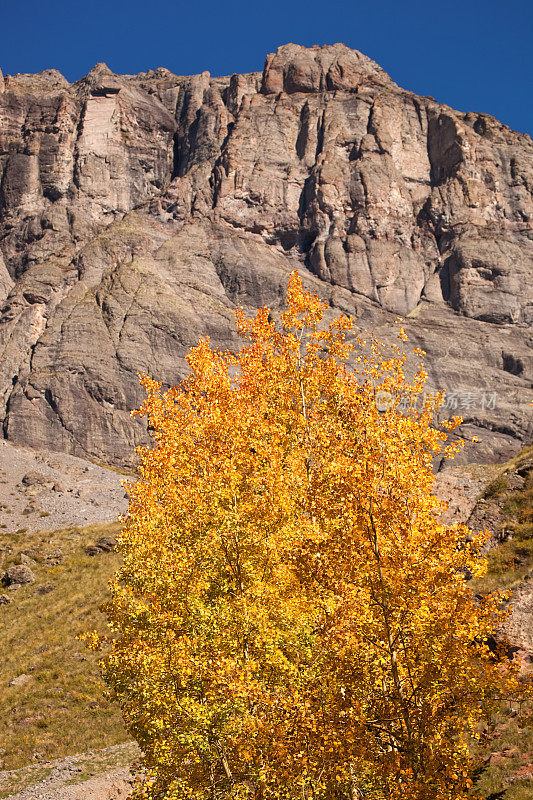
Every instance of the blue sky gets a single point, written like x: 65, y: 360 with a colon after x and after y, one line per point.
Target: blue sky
x: 474, y: 56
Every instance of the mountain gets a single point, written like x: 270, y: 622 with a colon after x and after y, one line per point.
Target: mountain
x: 137, y: 211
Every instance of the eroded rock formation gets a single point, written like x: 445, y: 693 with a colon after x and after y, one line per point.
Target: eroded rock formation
x: 136, y: 211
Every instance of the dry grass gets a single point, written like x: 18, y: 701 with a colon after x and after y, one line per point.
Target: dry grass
x: 506, y: 748
x: 511, y: 561
x: 60, y: 709
x: 507, y: 775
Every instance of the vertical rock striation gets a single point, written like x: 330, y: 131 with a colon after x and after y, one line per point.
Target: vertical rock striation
x: 136, y: 211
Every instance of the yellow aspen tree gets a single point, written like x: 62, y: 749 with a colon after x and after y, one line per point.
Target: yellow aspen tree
x: 292, y: 617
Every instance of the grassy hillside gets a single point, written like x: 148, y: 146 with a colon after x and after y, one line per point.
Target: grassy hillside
x: 511, y: 494
x: 51, y: 700
x: 507, y: 744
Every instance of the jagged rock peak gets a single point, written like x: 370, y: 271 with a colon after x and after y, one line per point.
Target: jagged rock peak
x: 48, y: 80
x: 295, y: 68
x: 101, y: 81
x: 159, y: 72
x: 2, y: 82
x: 53, y: 75
x: 99, y: 69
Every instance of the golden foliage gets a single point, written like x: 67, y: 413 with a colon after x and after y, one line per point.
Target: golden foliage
x: 292, y: 619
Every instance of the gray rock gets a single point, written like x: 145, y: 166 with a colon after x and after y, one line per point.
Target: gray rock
x: 138, y: 211
x: 24, y: 559
x: 34, y: 483
x: 106, y: 543
x: 20, y: 680
x: 34, y: 479
x: 44, y: 588
x: 18, y: 574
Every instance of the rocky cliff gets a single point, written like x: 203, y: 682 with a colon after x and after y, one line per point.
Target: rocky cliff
x: 136, y: 211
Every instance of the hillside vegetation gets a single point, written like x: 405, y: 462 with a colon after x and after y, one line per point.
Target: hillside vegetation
x: 506, y: 747
x: 50, y: 693
x: 51, y: 698
x: 511, y: 495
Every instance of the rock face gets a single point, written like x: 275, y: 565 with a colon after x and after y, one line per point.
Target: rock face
x: 137, y: 211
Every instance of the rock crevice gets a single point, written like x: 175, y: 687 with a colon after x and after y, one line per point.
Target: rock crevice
x: 136, y: 211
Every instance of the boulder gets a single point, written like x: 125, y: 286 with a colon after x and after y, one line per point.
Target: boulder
x: 34, y: 479
x: 20, y: 680
x: 106, y: 543
x: 18, y: 574
x: 24, y: 559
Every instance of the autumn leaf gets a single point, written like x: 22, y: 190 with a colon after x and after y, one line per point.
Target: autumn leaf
x: 291, y: 617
